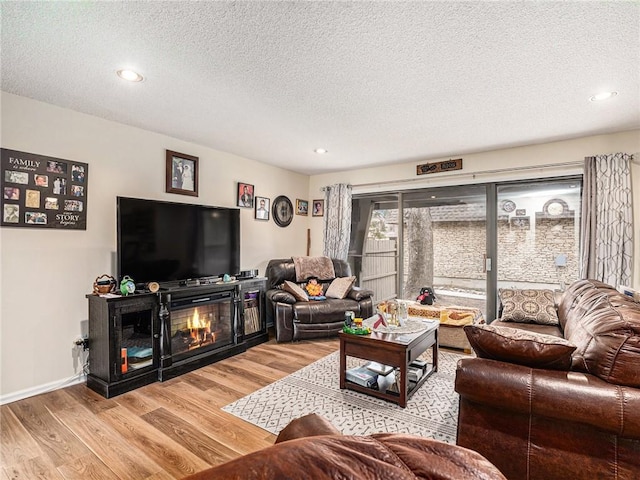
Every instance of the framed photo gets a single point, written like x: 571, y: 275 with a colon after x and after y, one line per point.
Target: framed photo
x: 521, y: 223
x: 262, y: 208
x: 245, y: 195
x: 318, y: 208
x: 182, y: 173
x: 520, y: 212
x: 302, y: 207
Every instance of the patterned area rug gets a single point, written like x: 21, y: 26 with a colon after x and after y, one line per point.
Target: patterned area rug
x: 431, y: 412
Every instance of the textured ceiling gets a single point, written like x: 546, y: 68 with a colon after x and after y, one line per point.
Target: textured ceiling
x: 373, y: 82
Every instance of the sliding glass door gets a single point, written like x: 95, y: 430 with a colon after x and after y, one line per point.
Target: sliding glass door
x: 445, y: 244
x: 467, y: 241
x: 402, y: 242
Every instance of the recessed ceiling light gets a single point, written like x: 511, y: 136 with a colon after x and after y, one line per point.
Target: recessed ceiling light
x: 603, y: 96
x: 321, y: 150
x: 130, y: 75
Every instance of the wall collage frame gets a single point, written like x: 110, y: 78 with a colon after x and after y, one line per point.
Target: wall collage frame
x: 43, y: 192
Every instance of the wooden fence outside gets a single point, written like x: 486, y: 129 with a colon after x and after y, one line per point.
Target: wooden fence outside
x: 380, y: 268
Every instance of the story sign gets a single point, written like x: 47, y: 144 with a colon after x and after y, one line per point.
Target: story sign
x: 43, y: 192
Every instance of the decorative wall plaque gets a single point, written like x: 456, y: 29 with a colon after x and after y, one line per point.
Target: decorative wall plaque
x: 43, y: 192
x: 439, y: 167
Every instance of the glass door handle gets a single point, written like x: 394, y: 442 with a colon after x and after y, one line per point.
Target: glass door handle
x: 486, y: 264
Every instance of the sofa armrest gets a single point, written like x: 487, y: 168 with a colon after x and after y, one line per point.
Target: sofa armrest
x: 565, y: 396
x: 280, y: 296
x: 357, y: 294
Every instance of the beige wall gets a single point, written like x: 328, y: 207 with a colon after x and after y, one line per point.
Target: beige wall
x: 534, y: 161
x: 45, y: 274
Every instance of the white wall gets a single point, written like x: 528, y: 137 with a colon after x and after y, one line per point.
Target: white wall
x: 45, y: 274
x: 534, y: 161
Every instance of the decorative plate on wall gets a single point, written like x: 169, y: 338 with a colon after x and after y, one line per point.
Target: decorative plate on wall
x: 508, y: 206
x: 555, y: 207
x: 282, y: 211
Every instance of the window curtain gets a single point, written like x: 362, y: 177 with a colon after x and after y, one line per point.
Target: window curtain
x: 607, y: 219
x: 337, y: 220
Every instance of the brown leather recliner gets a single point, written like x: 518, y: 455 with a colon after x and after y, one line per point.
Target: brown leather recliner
x: 297, y: 320
x: 582, y: 424
x: 311, y: 448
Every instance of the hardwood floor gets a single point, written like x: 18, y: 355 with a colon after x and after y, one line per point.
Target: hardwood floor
x: 162, y: 431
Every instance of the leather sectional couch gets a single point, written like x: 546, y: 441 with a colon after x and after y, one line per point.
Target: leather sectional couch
x: 578, y: 421
x: 297, y: 320
x: 311, y: 448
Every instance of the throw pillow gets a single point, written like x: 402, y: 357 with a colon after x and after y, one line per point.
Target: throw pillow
x: 295, y: 290
x: 528, y: 306
x: 514, y: 345
x: 340, y: 287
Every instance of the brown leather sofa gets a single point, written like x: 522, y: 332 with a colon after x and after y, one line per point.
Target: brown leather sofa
x: 582, y: 423
x: 311, y: 448
x: 297, y: 320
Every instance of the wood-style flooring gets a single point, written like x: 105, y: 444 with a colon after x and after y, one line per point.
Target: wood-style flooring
x: 158, y: 432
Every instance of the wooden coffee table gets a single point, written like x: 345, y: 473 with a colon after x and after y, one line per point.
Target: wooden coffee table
x: 396, y: 350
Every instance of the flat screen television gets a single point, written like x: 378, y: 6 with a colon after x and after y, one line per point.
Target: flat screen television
x: 172, y: 242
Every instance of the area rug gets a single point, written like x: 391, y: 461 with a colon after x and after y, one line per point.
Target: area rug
x: 431, y: 412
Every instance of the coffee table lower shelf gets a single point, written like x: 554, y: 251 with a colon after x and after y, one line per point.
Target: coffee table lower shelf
x: 389, y: 349
x: 385, y: 395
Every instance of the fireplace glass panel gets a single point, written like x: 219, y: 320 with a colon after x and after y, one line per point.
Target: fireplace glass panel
x: 201, y: 327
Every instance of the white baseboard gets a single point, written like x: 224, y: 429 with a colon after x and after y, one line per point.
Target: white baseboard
x: 47, y: 387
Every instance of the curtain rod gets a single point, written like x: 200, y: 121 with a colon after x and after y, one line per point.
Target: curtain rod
x: 473, y: 174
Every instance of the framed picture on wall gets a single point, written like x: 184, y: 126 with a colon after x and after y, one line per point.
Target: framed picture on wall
x: 262, y: 208
x: 245, y: 195
x: 42, y: 192
x: 182, y: 173
x: 522, y: 223
x: 318, y: 208
x: 302, y: 207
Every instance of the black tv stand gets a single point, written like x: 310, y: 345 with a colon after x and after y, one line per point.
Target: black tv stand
x: 121, y: 326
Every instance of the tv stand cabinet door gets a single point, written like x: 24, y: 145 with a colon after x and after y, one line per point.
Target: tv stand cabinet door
x: 121, y: 330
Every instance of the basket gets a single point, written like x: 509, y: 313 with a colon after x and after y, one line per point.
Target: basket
x: 104, y: 284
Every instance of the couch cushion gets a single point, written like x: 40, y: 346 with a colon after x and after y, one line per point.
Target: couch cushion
x: 309, y: 425
x: 340, y: 287
x: 605, y: 326
x: 519, y: 346
x: 553, y: 330
x: 528, y: 306
x: 325, y: 311
x: 295, y: 290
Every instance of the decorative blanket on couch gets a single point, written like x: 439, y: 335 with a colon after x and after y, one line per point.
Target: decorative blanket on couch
x: 320, y: 267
